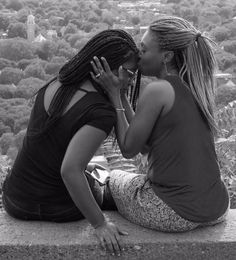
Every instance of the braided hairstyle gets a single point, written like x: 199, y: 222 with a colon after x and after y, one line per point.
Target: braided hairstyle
x: 115, y: 45
x: 194, y: 58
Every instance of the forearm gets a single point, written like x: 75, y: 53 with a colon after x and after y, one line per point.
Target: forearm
x: 79, y: 190
x: 122, y: 126
x: 129, y: 113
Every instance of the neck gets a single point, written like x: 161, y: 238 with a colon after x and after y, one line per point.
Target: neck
x: 169, y: 72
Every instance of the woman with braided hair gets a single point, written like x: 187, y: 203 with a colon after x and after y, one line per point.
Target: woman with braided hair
x: 70, y: 119
x: 174, y: 123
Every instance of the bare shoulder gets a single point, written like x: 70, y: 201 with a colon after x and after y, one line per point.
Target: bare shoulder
x: 159, y: 90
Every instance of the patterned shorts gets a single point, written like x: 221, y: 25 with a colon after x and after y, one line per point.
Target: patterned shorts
x: 137, y: 202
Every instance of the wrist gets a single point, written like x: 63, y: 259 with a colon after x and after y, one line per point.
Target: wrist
x: 124, y: 92
x: 100, y: 223
x: 117, y: 102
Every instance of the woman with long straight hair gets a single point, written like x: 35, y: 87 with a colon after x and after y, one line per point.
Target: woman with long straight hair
x: 174, y: 123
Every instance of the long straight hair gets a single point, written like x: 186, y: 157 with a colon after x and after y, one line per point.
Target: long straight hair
x: 194, y: 59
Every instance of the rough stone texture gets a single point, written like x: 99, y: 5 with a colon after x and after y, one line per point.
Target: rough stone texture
x: 42, y: 240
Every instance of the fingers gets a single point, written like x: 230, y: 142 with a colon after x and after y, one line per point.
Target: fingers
x: 98, y: 64
x: 102, y: 243
x: 95, y: 69
x: 106, y: 65
x: 110, y: 239
x: 123, y: 233
x: 121, y: 73
x: 109, y: 245
x: 99, y: 166
x: 93, y: 77
x: 115, y: 243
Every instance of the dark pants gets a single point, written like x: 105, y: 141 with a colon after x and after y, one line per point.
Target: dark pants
x: 50, y: 212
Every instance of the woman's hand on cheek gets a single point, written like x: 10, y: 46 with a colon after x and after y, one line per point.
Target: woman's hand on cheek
x: 109, y: 82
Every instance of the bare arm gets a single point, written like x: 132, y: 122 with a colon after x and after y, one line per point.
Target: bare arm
x: 79, y: 152
x: 132, y: 137
x: 129, y: 112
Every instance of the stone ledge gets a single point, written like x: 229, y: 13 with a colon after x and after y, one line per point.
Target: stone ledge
x: 42, y: 240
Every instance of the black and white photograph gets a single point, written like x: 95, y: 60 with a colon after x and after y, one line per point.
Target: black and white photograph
x: 117, y: 129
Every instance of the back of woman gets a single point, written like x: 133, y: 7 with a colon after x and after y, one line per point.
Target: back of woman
x: 51, y: 177
x: 38, y: 165
x: 183, y: 165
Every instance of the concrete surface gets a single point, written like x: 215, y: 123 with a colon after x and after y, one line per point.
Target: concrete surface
x: 42, y: 240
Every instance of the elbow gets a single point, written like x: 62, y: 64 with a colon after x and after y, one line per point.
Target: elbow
x: 128, y: 154
x: 68, y: 172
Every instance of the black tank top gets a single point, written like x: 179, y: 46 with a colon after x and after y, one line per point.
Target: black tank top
x: 183, y: 166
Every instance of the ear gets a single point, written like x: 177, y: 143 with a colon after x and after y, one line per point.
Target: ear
x: 168, y: 56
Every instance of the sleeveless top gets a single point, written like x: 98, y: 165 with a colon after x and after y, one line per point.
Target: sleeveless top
x: 183, y: 165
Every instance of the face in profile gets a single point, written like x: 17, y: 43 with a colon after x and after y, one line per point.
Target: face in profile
x: 151, y: 57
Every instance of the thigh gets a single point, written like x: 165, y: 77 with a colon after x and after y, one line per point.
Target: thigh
x: 137, y: 202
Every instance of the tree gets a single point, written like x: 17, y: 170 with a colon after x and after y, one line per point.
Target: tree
x: 98, y: 11
x: 35, y: 70
x: 6, y: 63
x: 4, y: 128
x: 231, y: 27
x: 22, y: 64
x: 135, y: 20
x: 225, y: 94
x: 12, y: 153
x: 46, y: 50
x: 53, y: 68
x: 4, y: 22
x: 17, y: 30
x: 87, y: 27
x: 28, y: 87
x: 5, y: 142
x: 75, y: 37
x: 44, y: 24
x: 22, y: 15
x: 11, y: 75
x: 80, y: 43
x: 16, y: 49
x: 14, y: 4
x: 108, y: 18
x: 18, y: 138
x: 67, y: 53
x: 229, y: 46
x: 39, y: 11
x: 225, y: 59
x: 70, y: 29
x: 7, y: 91
x: 226, y: 12
x: 220, y: 33
x: 173, y: 1
x: 58, y: 59
x: 21, y: 123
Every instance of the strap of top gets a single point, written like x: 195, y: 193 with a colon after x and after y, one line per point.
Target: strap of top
x: 85, y: 90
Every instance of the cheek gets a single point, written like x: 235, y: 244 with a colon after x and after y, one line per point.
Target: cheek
x: 149, y: 63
